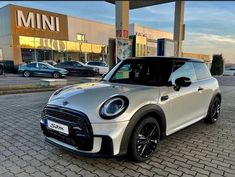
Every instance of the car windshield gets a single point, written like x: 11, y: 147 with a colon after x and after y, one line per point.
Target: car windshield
x: 143, y: 72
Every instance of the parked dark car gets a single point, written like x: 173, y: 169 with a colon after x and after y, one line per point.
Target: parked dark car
x: 1, y: 68
x: 78, y: 68
x: 41, y: 69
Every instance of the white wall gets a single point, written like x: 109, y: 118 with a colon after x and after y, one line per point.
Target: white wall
x: 150, y: 33
x: 95, y: 32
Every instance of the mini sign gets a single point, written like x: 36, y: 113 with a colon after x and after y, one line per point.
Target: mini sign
x: 37, y: 21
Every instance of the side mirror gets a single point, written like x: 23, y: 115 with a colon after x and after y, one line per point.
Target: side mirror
x: 182, y: 82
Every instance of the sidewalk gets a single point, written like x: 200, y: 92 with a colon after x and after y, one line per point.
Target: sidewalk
x: 15, y: 83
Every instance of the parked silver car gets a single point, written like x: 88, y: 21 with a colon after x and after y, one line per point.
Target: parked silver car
x: 139, y: 102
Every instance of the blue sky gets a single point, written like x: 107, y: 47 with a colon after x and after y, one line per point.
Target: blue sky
x: 210, y: 26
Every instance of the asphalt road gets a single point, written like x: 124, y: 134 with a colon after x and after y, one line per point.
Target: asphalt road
x: 199, y: 150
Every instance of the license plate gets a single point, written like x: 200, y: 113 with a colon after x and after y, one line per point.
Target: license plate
x: 58, y: 127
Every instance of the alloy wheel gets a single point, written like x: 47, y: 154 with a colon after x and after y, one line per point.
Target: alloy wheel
x: 26, y: 74
x: 56, y: 75
x: 215, y: 111
x: 147, y: 140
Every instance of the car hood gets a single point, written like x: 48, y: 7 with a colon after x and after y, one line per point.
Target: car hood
x: 90, y: 92
x: 88, y: 97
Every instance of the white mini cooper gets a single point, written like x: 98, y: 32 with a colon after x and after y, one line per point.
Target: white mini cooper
x: 140, y: 101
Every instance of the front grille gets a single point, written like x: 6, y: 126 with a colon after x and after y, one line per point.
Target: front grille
x: 61, y: 113
x: 80, y: 131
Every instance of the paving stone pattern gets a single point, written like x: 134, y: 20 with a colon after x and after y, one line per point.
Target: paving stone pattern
x: 199, y: 150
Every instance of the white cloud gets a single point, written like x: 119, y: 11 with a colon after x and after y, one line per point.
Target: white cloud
x: 210, y: 44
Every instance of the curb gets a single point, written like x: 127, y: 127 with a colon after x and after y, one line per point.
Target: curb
x: 21, y: 91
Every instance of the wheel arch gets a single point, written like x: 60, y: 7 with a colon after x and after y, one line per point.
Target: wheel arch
x: 216, y: 94
x: 147, y: 110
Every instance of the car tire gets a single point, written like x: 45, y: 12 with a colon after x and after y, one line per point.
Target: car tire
x: 56, y: 75
x: 214, y: 111
x: 144, y: 140
x: 26, y: 74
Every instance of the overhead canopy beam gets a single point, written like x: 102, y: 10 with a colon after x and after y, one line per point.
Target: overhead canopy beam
x: 122, y: 18
x: 135, y: 4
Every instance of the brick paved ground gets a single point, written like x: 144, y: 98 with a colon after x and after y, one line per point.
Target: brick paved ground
x: 199, y: 150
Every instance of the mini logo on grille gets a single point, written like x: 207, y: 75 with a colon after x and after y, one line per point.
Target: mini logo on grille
x: 65, y: 103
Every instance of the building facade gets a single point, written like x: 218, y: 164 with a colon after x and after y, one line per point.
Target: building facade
x: 28, y: 34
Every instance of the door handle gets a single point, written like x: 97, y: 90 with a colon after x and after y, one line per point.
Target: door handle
x: 200, y: 89
x: 164, y: 98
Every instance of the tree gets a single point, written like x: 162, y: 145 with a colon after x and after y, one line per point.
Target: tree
x: 217, y: 66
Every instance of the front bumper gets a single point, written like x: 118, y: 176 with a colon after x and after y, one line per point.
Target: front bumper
x: 93, y: 140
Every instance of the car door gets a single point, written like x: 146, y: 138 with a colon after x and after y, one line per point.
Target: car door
x: 36, y: 70
x: 32, y: 68
x: 68, y: 66
x: 205, y: 86
x: 44, y: 70
x: 185, y: 105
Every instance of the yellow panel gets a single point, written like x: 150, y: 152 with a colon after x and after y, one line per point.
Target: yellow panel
x: 59, y: 45
x: 96, y: 48
x: 45, y: 43
x: 86, y: 47
x: 141, y: 40
x: 72, y: 46
x: 37, y: 43
x: 26, y: 42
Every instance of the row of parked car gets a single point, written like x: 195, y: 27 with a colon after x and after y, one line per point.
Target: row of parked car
x: 1, y: 68
x: 230, y: 71
x: 51, y: 69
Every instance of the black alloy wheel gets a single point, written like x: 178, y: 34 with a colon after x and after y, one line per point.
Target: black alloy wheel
x: 145, y: 139
x: 26, y: 73
x: 56, y: 75
x: 214, y: 111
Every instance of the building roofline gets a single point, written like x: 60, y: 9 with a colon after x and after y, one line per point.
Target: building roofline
x: 156, y: 29
x: 13, y: 5
x: 91, y: 20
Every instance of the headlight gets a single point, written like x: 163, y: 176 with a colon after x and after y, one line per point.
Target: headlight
x: 114, y: 107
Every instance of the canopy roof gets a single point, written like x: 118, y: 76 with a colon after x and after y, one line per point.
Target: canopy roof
x: 134, y: 4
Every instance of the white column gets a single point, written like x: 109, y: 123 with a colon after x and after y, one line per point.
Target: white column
x: 179, y: 27
x: 122, y: 18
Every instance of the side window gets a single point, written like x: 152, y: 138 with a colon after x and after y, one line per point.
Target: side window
x: 202, y: 72
x: 77, y: 64
x: 103, y: 64
x: 42, y: 66
x: 182, y: 69
x: 91, y: 63
x: 32, y: 65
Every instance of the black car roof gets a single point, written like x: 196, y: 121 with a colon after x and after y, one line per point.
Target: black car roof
x: 168, y: 58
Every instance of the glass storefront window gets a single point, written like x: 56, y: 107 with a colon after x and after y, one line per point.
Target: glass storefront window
x: 39, y: 49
